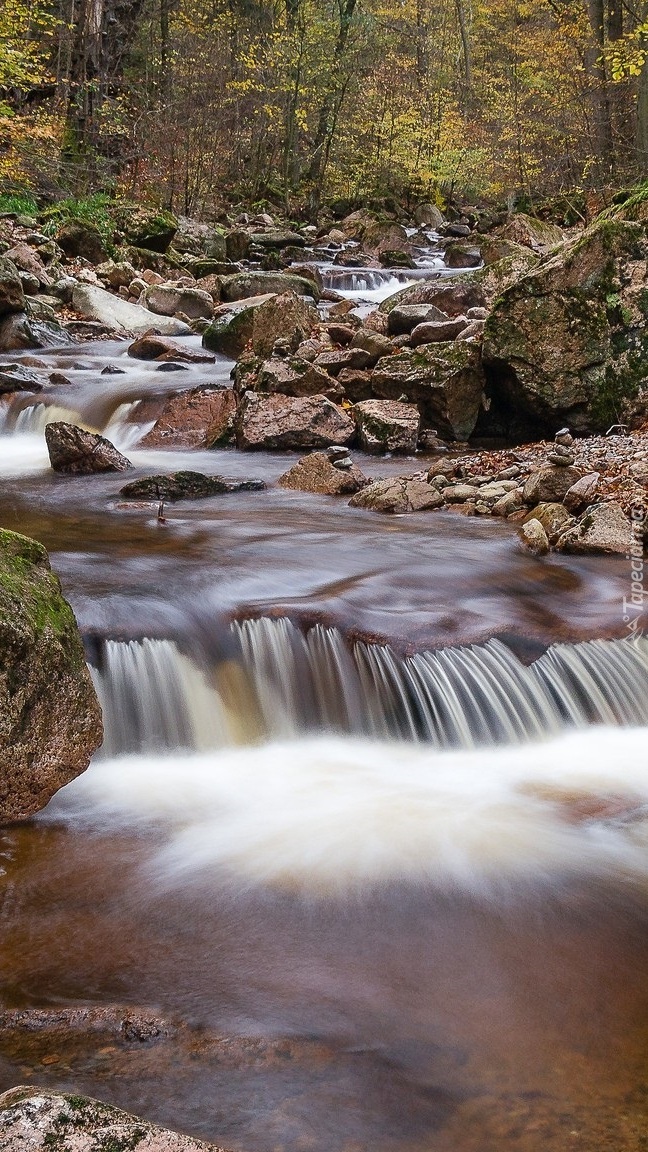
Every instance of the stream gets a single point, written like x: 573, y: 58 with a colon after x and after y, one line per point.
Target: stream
x: 362, y: 863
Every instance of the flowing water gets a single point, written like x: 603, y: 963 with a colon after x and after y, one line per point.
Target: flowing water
x: 363, y: 861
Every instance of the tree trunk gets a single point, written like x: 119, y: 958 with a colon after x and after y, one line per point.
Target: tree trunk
x: 329, y: 108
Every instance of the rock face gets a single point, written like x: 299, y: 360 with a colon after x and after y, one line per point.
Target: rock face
x: 75, y: 452
x: 97, y: 304
x: 318, y: 473
x: 567, y: 343
x: 398, y: 494
x: 265, y: 421
x: 387, y: 426
x: 445, y: 381
x: 604, y: 528
x: 37, y: 1118
x: 200, y: 418
x: 50, y: 720
x: 186, y: 486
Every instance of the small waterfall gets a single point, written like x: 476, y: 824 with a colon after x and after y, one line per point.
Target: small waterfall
x: 122, y: 428
x: 283, y: 683
x: 34, y: 418
x: 367, y: 279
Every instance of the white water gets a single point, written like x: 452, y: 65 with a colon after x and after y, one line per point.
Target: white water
x: 329, y: 816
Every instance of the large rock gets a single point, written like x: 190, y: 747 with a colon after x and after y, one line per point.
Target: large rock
x: 454, y: 299
x: 429, y: 216
x: 27, y: 260
x: 78, y: 238
x: 38, y: 1119
x: 97, y: 304
x: 151, y: 347
x: 438, y: 331
x: 318, y: 473
x: 398, y: 494
x: 231, y: 330
x: 166, y: 300
x: 186, y: 486
x: 532, y: 233
x: 445, y: 381
x: 387, y: 426
x: 283, y: 317
x: 50, y: 720
x: 265, y: 421
x: 246, y: 284
x: 550, y: 484
x: 604, y: 528
x: 200, y: 418
x: 568, y: 342
x: 295, y: 377
x: 12, y: 296
x: 277, y: 238
x: 554, y: 517
x: 19, y: 331
x: 75, y: 452
x: 146, y: 228
x: 405, y: 317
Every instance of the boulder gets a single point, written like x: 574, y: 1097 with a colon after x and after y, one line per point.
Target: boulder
x: 17, y: 378
x: 534, y: 536
x: 532, y: 233
x: 200, y: 418
x: 283, y: 317
x: 277, y: 238
x: 453, y: 299
x: 12, y: 296
x: 152, y: 347
x: 237, y: 244
x: 405, y: 317
x: 462, y: 255
x: 50, y: 720
x: 398, y: 494
x: 387, y: 426
x: 146, y: 228
x: 185, y: 486
x: 78, y: 238
x: 28, y: 261
x: 318, y: 473
x: 97, y: 304
x: 75, y: 452
x: 567, y: 343
x: 39, y: 1118
x: 295, y: 377
x: 264, y: 421
x: 349, y: 358
x: 373, y: 343
x: 246, y: 284
x: 429, y: 216
x: 438, y: 331
x: 582, y: 492
x: 21, y: 331
x: 166, y: 300
x: 604, y: 528
x: 550, y: 484
x: 445, y: 381
x: 555, y: 519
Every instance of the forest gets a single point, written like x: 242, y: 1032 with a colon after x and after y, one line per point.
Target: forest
x: 198, y: 105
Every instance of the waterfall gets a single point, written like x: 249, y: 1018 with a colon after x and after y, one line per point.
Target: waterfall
x: 35, y: 417
x: 282, y: 683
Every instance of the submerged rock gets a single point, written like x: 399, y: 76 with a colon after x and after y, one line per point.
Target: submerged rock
x: 186, y: 486
x: 75, y: 452
x: 50, y: 720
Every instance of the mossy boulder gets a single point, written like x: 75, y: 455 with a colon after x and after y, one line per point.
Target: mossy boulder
x: 445, y: 381
x: 50, y: 720
x: 148, y: 228
x: 568, y: 342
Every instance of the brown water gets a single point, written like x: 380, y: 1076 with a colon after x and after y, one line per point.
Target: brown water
x: 396, y: 1016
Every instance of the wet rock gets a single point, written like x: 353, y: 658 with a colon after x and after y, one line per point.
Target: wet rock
x: 398, y: 494
x: 403, y: 319
x: 80, y: 239
x: 396, y: 258
x: 247, y: 284
x: 549, y: 484
x: 75, y: 452
x: 38, y: 1118
x: 266, y: 421
x: 50, y: 720
x: 152, y: 347
x: 185, y: 486
x: 445, y: 381
x: 17, y: 378
x: 604, y: 528
x: 582, y: 493
x: 555, y: 519
x: 12, y: 296
x: 438, y: 331
x: 21, y: 331
x: 167, y: 300
x: 97, y: 304
x: 200, y: 418
x: 387, y: 426
x: 321, y: 474
x: 534, y: 536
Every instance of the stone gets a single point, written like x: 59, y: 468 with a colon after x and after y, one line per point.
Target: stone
x: 398, y: 494
x: 437, y: 331
x: 147, y: 228
x: 562, y: 459
x: 237, y: 244
x: 564, y: 437
x: 77, y: 238
x: 340, y: 333
x: 284, y: 317
x: 39, y: 1118
x: 454, y: 299
x: 582, y: 492
x: 534, y: 536
x: 277, y: 238
x: 17, y: 378
x: 246, y: 284
x: 153, y: 347
x: 355, y: 383
x: 603, y: 529
x: 12, y: 295
x: 459, y: 255
x: 554, y: 517
x: 460, y: 493
x: 166, y: 300
x: 549, y: 484
x: 403, y: 319
x: 200, y: 418
x: 50, y: 719
x: 429, y: 216
x: 508, y: 504
x: 387, y: 426
x: 185, y: 486
x: 26, y: 260
x: 333, y: 362
x: 265, y: 421
x: 532, y: 233
x: 321, y: 474
x: 75, y: 452
x: 295, y: 377
x: 97, y: 304
x: 445, y: 381
x: 19, y: 331
x: 396, y: 258
x: 373, y: 343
